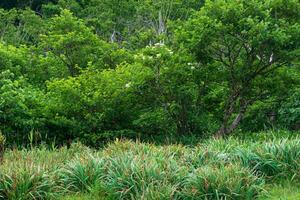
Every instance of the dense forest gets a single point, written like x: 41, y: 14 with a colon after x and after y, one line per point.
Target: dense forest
x: 95, y: 70
x: 149, y: 99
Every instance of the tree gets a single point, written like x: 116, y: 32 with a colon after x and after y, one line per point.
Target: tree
x: 20, y: 26
x: 74, y: 44
x: 169, y: 95
x: 243, y: 42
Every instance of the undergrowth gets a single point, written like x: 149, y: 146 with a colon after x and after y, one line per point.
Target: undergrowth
x: 215, y: 169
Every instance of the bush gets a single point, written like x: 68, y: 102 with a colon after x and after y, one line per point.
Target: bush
x: 289, y: 113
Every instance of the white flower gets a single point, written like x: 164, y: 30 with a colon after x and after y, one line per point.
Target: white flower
x: 159, y: 44
x: 192, y: 68
x: 189, y: 64
x: 128, y: 85
x: 170, y: 52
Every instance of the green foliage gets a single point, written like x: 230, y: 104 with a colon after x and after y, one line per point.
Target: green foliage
x: 242, y: 43
x: 97, y: 70
x: 289, y: 112
x: 19, y: 104
x: 75, y: 45
x: 71, y: 101
x: 20, y: 26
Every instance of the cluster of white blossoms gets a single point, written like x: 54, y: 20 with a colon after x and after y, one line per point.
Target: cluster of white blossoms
x: 192, y: 65
x: 140, y: 56
x: 169, y: 50
x: 127, y: 85
x: 158, y: 55
x: 159, y: 44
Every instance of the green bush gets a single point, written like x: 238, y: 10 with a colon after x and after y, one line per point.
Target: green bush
x: 289, y: 113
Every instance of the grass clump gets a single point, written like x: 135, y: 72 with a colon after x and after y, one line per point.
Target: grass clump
x: 274, y: 160
x: 81, y: 174
x: 27, y: 183
x: 150, y: 174
x: 223, y: 182
x: 157, y: 172
x: 139, y: 181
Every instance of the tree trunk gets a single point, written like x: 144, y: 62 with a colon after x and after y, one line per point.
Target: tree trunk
x: 235, y: 123
x: 182, y: 120
x: 228, y: 113
x: 227, y: 128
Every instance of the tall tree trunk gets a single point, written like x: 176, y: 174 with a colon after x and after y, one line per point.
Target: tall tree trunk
x: 237, y: 120
x: 182, y: 120
x: 227, y: 127
x: 229, y: 109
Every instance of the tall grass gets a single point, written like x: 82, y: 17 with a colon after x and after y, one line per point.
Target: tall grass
x: 224, y: 182
x: 30, y: 182
x: 144, y: 176
x: 82, y: 174
x: 214, y: 169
